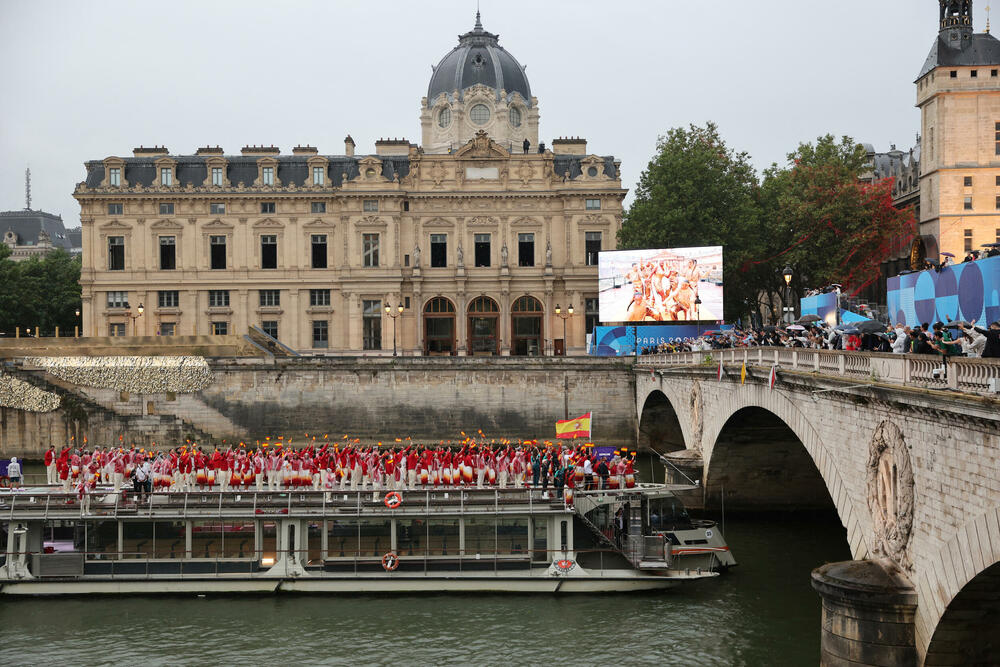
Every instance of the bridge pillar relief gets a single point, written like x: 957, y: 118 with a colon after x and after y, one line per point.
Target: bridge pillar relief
x: 915, y: 478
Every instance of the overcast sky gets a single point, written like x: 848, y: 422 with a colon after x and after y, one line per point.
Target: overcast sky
x: 85, y: 80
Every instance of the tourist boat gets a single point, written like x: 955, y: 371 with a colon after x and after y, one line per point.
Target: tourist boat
x: 344, y: 541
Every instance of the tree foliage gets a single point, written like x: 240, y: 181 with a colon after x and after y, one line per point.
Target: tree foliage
x: 42, y: 292
x: 816, y: 215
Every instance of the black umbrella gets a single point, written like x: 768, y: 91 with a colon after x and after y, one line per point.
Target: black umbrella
x: 958, y: 323
x: 991, y: 245
x: 850, y: 331
x: 870, y: 326
x: 805, y: 319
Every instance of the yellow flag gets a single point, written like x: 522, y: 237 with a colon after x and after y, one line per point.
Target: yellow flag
x: 743, y: 374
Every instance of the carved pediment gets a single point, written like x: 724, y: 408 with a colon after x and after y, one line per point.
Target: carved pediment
x: 268, y: 223
x: 217, y: 225
x: 114, y: 226
x: 483, y: 220
x: 166, y: 225
x: 525, y: 222
x: 370, y: 221
x: 439, y: 222
x: 370, y: 169
x: 481, y: 146
x: 593, y: 162
x: 594, y: 219
x: 318, y: 223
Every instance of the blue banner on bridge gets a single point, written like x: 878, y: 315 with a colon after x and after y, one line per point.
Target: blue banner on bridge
x: 621, y: 341
x: 969, y: 291
x: 821, y: 305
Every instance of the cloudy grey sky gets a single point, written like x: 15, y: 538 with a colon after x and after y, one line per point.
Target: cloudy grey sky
x: 85, y: 80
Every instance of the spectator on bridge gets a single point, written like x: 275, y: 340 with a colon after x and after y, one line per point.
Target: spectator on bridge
x: 900, y: 343
x: 991, y: 348
x: 945, y: 347
x: 972, y: 342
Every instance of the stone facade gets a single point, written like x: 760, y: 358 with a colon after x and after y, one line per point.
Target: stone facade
x: 940, y: 537
x: 464, y: 249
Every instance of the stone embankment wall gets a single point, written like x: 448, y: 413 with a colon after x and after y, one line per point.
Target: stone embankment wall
x: 374, y: 399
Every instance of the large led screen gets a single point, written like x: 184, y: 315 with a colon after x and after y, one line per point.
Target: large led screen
x: 661, y: 285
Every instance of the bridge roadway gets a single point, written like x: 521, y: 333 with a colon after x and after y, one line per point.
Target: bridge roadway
x: 909, y: 458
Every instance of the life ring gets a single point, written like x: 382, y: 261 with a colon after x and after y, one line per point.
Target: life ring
x: 565, y: 565
x: 390, y: 561
x: 393, y: 500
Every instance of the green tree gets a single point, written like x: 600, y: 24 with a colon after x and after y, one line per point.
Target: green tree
x: 41, y: 292
x: 698, y: 191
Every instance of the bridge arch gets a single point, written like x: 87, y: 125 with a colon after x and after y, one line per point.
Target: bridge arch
x: 660, y: 427
x: 737, y: 456
x: 966, y: 573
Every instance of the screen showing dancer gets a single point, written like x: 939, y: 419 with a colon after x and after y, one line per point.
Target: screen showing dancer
x: 671, y: 285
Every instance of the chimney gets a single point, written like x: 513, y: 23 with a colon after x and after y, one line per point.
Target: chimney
x: 348, y: 146
x: 150, y: 151
x: 569, y: 146
x: 261, y: 150
x: 305, y: 150
x: 385, y: 147
x: 210, y: 150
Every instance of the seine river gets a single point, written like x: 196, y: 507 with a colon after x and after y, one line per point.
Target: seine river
x: 762, y: 612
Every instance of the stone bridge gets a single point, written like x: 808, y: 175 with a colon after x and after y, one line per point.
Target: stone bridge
x: 907, y: 454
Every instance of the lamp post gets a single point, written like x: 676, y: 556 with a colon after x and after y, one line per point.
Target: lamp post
x: 393, y: 313
x: 139, y: 310
x: 697, y: 308
x: 76, y: 327
x: 788, y: 286
x: 564, y: 316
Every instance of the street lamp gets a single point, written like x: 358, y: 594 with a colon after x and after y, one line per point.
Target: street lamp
x: 564, y: 316
x: 76, y: 327
x: 139, y: 310
x: 393, y: 314
x: 788, y: 286
x: 697, y: 308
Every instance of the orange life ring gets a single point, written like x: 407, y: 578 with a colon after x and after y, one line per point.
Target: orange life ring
x: 565, y: 565
x: 393, y: 500
x: 390, y: 561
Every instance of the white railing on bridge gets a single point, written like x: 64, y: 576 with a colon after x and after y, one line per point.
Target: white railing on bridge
x: 959, y: 373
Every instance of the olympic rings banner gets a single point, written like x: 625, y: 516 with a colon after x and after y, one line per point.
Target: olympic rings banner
x: 670, y: 285
x: 969, y: 291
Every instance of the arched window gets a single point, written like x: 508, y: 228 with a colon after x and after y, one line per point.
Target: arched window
x: 439, y: 304
x: 484, y: 327
x: 483, y: 304
x: 515, y: 117
x: 439, y: 327
x: 527, y: 304
x: 526, y: 327
x: 444, y: 118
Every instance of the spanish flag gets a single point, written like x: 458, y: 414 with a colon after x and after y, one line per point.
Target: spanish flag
x: 574, y: 428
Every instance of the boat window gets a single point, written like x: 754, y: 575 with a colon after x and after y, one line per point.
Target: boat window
x: 480, y: 535
x: 169, y: 539
x: 206, y: 539
x: 512, y: 536
x: 563, y: 537
x: 342, y: 538
x: 541, y: 539
x: 137, y: 539
x: 315, y: 532
x: 375, y: 537
x: 667, y: 514
x: 411, y: 537
x: 442, y: 537
x: 61, y: 536
x: 238, y: 539
x: 268, y: 543
x: 102, y: 540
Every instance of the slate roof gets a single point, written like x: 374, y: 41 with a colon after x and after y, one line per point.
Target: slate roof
x: 27, y: 224
x: 479, y: 59
x: 572, y: 163
x: 979, y: 49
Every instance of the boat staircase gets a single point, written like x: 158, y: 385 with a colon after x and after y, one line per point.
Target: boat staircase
x: 645, y: 552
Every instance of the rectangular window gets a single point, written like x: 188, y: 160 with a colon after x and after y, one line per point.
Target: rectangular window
x: 267, y: 207
x: 166, y: 176
x: 370, y: 206
x: 166, y: 208
x: 115, y: 177
x: 270, y: 297
x: 319, y: 297
x: 116, y: 253
x: 369, y: 249
x: 217, y: 246
x: 482, y: 248
x: 217, y: 176
x: 593, y: 205
x: 115, y: 209
x: 268, y: 251
x: 117, y: 299
x: 318, y: 251
x: 116, y: 329
x: 319, y: 175
x: 994, y: 73
x: 591, y: 312
x: 321, y: 334
x: 975, y: 74
x: 968, y: 203
x: 270, y: 327
x: 954, y: 74
x: 968, y: 240
x: 372, y: 324
x: 218, y: 298
x: 439, y: 250
x: 168, y: 299
x: 319, y: 207
x: 592, y: 241
x: 168, y: 328
x: 967, y: 181
x: 525, y: 249
x: 217, y: 208
x: 220, y: 328
x: 996, y: 137
x: 998, y: 202
x: 168, y: 253
x: 267, y: 175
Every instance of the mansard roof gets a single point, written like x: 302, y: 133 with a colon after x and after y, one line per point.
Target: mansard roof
x: 980, y: 50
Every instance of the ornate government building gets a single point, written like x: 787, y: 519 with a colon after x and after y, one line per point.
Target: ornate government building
x: 477, y: 241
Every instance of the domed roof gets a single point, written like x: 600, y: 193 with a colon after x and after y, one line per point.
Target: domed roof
x: 478, y: 59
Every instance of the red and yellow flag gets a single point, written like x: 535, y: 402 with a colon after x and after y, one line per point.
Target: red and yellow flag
x: 574, y: 428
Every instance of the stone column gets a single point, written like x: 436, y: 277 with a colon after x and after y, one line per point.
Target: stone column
x: 868, y: 614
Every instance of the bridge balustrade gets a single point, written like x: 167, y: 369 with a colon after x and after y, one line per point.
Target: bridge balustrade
x: 959, y: 373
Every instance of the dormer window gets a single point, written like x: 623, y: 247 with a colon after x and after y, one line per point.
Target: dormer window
x: 515, y: 117
x: 267, y: 175
x: 166, y: 176
x: 217, y: 176
x: 319, y: 175
x: 115, y: 177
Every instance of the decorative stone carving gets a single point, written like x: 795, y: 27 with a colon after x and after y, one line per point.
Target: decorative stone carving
x: 461, y: 255
x: 416, y: 256
x: 890, y: 494
x: 503, y: 254
x: 548, y: 253
x: 697, y: 417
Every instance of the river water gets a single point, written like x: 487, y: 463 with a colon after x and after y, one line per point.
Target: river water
x: 762, y: 612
